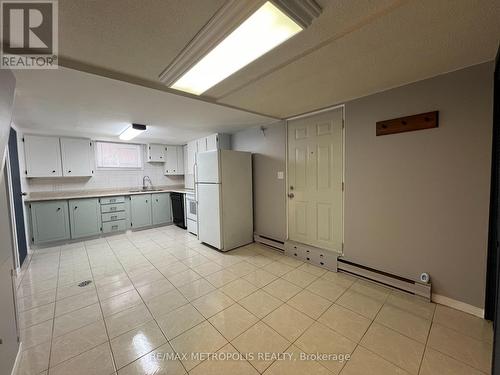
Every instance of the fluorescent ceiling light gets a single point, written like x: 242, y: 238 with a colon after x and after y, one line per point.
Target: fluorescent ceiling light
x: 132, y: 132
x: 265, y: 29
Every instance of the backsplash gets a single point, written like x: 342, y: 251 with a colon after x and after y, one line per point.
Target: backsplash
x: 102, y: 179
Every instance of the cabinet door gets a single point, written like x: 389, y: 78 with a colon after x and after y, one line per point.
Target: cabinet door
x: 191, y: 157
x: 77, y: 157
x: 180, y: 160
x: 171, y: 163
x: 43, y: 156
x: 201, y: 145
x: 85, y: 217
x: 156, y: 153
x: 162, y: 208
x: 140, y: 210
x: 212, y: 142
x: 50, y: 221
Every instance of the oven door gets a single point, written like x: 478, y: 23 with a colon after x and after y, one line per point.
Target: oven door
x: 191, y: 209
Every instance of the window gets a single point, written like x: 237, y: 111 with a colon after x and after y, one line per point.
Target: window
x: 118, y: 155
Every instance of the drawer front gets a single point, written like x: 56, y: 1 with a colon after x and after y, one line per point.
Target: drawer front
x: 111, y: 200
x: 113, y: 216
x: 113, y: 226
x: 112, y: 207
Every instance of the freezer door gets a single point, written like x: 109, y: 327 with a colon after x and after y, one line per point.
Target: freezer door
x: 207, y: 165
x: 209, y: 215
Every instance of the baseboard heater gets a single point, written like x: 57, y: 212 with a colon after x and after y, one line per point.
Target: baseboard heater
x: 385, y: 278
x: 279, y: 245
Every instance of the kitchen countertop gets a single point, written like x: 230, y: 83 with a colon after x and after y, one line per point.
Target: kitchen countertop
x: 75, y: 194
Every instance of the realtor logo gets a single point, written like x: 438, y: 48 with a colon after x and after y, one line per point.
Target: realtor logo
x: 29, y: 34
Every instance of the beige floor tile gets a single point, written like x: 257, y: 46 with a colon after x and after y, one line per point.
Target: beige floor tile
x: 364, y: 362
x: 260, y: 303
x: 260, y: 338
x: 318, y: 271
x: 238, y: 289
x: 207, y: 268
x: 259, y: 260
x: 288, y: 260
x: 76, y: 342
x: 310, y: 304
x: 233, y: 321
x: 36, y: 315
x: 155, y: 289
x: 36, y: 334
x: 196, y: 260
x: 113, y: 289
x: 321, y: 339
x: 224, y: 364
x: 172, y: 269
x: 41, y: 299
x: 166, y: 302
x: 294, y: 364
x: 147, y: 278
x: 299, y: 278
x: 77, y: 319
x: 282, y: 289
x: 288, y: 322
x: 346, y: 322
x: 73, y: 303
x: 339, y: 278
x: 126, y: 320
x: 326, y: 289
x: 97, y: 361
x: 394, y: 347
x: 183, y: 278
x: 260, y: 278
x: 464, y: 323
x: 466, y: 349
x: 221, y: 278
x: 372, y: 290
x: 72, y: 290
x: 201, y: 339
x: 180, y: 320
x: 360, y: 303
x: 212, y: 303
x: 120, y: 302
x: 414, y: 304
x: 34, y: 360
x: 196, y: 289
x: 156, y: 362
x: 277, y: 268
x: 436, y: 363
x: 136, y: 343
x: 404, y: 322
x: 241, y: 269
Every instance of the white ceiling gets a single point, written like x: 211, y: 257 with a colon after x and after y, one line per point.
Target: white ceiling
x: 70, y: 102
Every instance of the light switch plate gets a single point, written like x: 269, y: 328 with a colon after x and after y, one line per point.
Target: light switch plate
x: 281, y: 175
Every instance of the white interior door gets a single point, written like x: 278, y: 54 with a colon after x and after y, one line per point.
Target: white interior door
x: 315, y: 176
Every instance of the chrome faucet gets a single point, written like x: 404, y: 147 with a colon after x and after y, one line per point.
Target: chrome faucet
x: 144, y: 179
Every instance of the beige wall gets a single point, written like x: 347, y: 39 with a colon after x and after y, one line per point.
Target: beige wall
x: 414, y: 202
x: 269, y: 192
x: 418, y: 202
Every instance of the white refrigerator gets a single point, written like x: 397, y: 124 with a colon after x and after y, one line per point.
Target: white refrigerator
x: 224, y: 195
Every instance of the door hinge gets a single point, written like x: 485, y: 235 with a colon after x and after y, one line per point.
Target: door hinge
x: 343, y: 123
x: 22, y: 139
x: 32, y: 239
x: 25, y: 171
x: 30, y: 205
x: 90, y: 144
x: 343, y: 186
x: 342, y: 247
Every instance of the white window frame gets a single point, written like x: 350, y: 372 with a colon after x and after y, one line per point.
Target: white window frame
x: 98, y: 161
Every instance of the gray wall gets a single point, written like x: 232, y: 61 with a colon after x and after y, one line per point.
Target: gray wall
x: 414, y: 202
x: 269, y: 191
x: 8, y: 330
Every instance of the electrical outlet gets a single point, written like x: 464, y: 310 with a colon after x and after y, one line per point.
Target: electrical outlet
x: 281, y: 175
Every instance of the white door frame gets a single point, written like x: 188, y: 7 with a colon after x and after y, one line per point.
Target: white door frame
x: 309, y: 114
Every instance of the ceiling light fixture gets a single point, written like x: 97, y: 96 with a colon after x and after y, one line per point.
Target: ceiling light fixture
x: 132, y: 132
x: 236, y: 36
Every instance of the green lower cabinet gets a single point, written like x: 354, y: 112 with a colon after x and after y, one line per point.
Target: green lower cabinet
x: 85, y: 217
x: 162, y: 208
x: 140, y: 211
x: 49, y: 221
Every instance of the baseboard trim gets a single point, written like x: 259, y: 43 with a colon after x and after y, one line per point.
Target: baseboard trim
x: 458, y: 305
x: 18, y: 360
x: 269, y: 241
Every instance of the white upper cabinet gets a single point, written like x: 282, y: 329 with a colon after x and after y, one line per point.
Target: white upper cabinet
x: 156, y: 153
x: 174, y: 165
x: 77, y: 157
x: 48, y: 156
x: 43, y: 156
x: 201, y: 145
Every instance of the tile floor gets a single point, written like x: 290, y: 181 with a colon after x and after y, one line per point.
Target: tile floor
x: 159, y: 295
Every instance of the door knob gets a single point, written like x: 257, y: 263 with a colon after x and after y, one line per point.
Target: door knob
x: 291, y: 195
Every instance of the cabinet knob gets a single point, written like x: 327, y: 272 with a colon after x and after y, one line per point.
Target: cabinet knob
x: 54, y: 171
x: 76, y: 207
x: 146, y: 201
x: 58, y: 209
x: 69, y: 171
